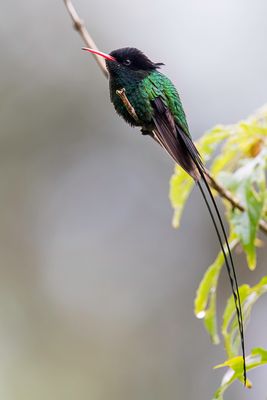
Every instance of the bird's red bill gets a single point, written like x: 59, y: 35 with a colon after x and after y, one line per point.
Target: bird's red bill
x: 99, y: 53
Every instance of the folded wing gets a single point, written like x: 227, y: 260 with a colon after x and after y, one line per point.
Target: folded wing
x: 174, y: 140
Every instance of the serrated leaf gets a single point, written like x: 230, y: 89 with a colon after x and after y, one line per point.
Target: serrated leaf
x: 222, y: 160
x: 244, y: 139
x: 257, y: 358
x: 205, y: 301
x: 248, y: 297
x: 181, y: 185
x: 247, y: 183
x: 240, y: 166
x: 210, y: 141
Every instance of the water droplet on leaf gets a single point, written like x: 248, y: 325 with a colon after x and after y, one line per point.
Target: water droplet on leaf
x: 201, y: 314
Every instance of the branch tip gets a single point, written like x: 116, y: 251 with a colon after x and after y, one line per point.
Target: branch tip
x: 79, y: 26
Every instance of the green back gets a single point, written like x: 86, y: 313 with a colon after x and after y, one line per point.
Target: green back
x: 140, y: 94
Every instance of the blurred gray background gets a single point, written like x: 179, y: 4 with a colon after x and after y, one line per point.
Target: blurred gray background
x: 96, y: 288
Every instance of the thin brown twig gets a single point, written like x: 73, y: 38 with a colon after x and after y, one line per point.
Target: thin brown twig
x: 224, y: 193
x: 122, y: 95
x: 81, y: 29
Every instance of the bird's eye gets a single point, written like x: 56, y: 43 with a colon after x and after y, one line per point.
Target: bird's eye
x: 127, y: 62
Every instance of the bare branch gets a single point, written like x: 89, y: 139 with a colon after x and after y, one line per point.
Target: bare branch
x: 81, y: 29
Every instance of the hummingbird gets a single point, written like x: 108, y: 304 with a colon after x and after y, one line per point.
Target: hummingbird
x: 159, y: 113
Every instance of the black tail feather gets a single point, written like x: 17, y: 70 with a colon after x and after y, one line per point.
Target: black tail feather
x: 230, y: 267
x: 175, y: 139
x: 233, y: 278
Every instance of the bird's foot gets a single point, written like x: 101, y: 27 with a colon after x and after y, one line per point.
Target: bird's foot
x: 145, y: 132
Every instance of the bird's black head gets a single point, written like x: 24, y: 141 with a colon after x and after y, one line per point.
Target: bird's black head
x: 132, y: 59
x: 127, y: 61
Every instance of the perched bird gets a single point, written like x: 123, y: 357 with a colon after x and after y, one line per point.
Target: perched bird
x: 159, y: 113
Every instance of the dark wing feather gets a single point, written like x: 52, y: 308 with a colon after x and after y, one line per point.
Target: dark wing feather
x: 174, y: 140
x: 181, y: 148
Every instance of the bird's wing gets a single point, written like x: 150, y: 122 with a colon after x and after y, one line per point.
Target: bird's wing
x: 174, y: 139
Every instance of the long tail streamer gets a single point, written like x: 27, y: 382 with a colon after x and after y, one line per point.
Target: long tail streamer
x: 193, y: 152
x: 230, y: 267
x: 178, y: 143
x: 232, y: 276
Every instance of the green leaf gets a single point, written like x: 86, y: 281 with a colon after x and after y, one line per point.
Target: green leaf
x: 248, y: 297
x: 257, y: 358
x: 248, y: 185
x: 210, y: 141
x: 181, y: 185
x: 205, y: 301
x: 240, y: 166
x: 222, y: 160
x: 242, y: 140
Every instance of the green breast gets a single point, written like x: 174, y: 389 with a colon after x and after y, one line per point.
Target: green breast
x: 140, y: 93
x: 137, y: 96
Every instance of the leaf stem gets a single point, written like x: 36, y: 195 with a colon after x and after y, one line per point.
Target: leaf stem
x: 227, y: 195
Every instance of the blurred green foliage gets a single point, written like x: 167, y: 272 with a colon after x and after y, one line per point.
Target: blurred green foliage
x: 239, y: 165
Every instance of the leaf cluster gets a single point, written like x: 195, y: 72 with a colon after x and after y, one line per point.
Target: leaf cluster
x: 238, y: 161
